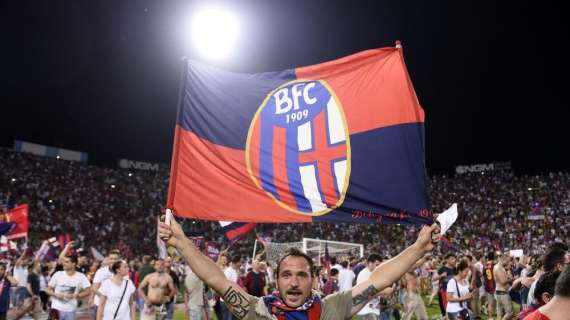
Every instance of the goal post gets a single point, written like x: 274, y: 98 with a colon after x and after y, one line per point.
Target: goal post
x: 315, y: 248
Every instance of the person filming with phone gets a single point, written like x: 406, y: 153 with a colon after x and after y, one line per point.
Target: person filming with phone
x: 458, y: 294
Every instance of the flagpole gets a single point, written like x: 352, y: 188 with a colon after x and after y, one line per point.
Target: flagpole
x: 254, y: 250
x: 174, y: 161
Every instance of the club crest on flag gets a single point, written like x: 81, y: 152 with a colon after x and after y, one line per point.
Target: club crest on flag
x: 298, y: 147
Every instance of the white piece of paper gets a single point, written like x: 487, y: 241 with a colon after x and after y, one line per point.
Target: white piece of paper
x: 447, y: 218
x: 516, y: 253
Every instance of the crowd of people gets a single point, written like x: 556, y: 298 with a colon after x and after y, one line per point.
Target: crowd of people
x: 109, y: 209
x: 481, y: 284
x: 115, y: 204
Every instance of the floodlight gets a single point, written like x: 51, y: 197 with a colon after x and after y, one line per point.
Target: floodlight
x: 214, y: 32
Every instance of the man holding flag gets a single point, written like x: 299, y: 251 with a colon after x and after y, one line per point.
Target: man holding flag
x: 294, y: 276
x: 337, y: 141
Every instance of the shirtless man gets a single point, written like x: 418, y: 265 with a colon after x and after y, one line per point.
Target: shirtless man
x: 160, y: 290
x: 502, y: 279
x: 413, y: 303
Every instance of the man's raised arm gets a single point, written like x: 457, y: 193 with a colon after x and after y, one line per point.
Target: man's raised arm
x: 392, y: 270
x: 206, y: 269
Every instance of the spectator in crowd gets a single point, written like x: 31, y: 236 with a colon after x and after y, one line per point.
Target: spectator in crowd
x: 20, y: 271
x: 6, y: 282
x: 503, y: 278
x: 101, y: 275
x: 371, y: 311
x: 255, y: 279
x: 195, y: 302
x: 557, y: 308
x: 445, y: 273
x: 65, y: 287
x: 33, y: 288
x: 413, y: 303
x: 556, y: 258
x: 345, y: 277
x: 117, y: 294
x: 544, y: 291
x: 232, y: 274
x: 458, y: 293
x: 176, y: 282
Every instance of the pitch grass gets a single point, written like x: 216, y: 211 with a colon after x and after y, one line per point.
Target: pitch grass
x: 432, y: 310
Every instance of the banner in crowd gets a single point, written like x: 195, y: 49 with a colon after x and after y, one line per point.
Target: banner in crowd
x: 536, y: 212
x: 19, y: 216
x: 212, y: 250
x: 337, y: 141
x: 198, y: 241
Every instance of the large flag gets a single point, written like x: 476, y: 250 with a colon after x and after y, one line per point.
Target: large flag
x: 337, y: 141
x: 19, y: 215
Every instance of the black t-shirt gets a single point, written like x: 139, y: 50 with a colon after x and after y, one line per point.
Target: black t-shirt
x: 34, y: 281
x: 443, y: 281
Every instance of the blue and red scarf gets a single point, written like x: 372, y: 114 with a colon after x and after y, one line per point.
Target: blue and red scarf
x: 310, y: 310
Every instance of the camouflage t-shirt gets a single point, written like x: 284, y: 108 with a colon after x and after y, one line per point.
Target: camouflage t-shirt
x: 333, y: 307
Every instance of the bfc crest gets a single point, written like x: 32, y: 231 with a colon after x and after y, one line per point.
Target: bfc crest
x: 298, y: 148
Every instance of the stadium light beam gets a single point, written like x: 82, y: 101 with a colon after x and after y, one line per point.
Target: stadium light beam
x: 214, y: 32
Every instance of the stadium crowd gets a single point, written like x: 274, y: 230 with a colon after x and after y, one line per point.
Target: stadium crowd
x: 116, y: 204
x: 113, y: 209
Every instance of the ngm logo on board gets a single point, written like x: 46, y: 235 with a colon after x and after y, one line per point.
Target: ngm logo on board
x: 298, y: 148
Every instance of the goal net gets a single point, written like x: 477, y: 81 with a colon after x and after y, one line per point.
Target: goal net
x: 274, y: 250
x: 314, y: 248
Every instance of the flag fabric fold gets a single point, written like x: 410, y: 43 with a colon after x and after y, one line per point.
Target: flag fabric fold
x: 235, y: 231
x: 338, y: 141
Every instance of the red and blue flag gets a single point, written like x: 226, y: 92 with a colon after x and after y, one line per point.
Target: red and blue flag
x: 337, y: 141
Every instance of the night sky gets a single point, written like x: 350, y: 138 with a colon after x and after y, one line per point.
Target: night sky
x: 102, y: 76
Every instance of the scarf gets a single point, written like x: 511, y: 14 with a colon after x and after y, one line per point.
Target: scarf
x: 310, y: 310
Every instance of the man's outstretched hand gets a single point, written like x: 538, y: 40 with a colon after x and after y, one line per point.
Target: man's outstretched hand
x: 428, y: 237
x: 172, y: 234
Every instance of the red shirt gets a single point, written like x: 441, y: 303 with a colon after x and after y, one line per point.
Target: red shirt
x: 536, y: 315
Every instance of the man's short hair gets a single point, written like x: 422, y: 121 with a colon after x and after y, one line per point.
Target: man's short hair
x: 545, y: 284
x: 146, y: 259
x: 294, y: 252
x: 333, y: 260
x: 449, y: 255
x: 236, y: 258
x: 558, y: 246
x: 490, y: 255
x: 334, y: 272
x: 72, y: 258
x: 374, y: 257
x: 562, y: 286
x: 115, y: 251
x: 344, y: 264
x: 552, y: 258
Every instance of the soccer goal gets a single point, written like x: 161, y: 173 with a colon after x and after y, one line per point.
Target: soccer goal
x: 316, y: 248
